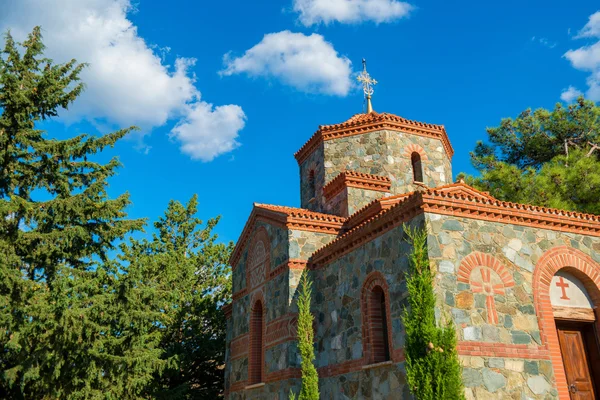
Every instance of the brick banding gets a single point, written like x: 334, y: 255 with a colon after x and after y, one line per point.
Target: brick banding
x: 584, y: 268
x: 355, y: 179
x: 365, y: 123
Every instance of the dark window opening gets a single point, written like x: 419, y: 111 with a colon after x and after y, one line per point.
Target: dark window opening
x: 311, y: 185
x: 380, y: 350
x: 417, y: 168
x: 256, y: 344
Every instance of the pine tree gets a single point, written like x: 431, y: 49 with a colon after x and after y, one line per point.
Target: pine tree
x: 306, y: 340
x: 57, y: 226
x: 432, y: 366
x: 175, y: 286
x: 549, y: 158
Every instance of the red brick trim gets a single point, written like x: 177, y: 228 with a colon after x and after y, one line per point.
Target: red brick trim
x: 239, y: 294
x: 286, y: 218
x: 239, y: 346
x: 281, y: 330
x: 293, y: 263
x: 365, y: 123
x: 260, y: 236
x: 373, y: 280
x: 228, y: 310
x: 477, y: 259
x: 415, y: 148
x: 284, y: 374
x: 486, y: 349
x: 458, y: 200
x: 253, y: 364
x: 584, y: 268
x: 346, y: 179
x: 354, y: 365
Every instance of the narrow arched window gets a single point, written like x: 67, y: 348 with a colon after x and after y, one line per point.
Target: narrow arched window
x: 417, y: 168
x: 311, y: 184
x: 380, y: 350
x: 256, y: 344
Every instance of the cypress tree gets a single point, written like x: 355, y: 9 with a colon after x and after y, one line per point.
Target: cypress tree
x: 432, y: 366
x: 306, y: 340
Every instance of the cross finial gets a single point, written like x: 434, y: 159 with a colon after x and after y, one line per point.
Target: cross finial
x: 367, y: 83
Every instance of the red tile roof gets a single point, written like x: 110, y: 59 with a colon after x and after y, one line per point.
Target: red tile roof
x: 364, y: 123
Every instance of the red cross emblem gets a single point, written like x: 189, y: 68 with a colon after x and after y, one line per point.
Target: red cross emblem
x: 490, y: 290
x: 563, y: 286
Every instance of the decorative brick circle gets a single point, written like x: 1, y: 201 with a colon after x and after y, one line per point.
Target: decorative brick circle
x: 587, y: 271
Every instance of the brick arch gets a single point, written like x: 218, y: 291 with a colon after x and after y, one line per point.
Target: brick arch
x: 261, y: 236
x: 415, y: 148
x: 478, y: 259
x: 373, y: 281
x: 486, y: 286
x: 257, y: 330
x: 584, y: 268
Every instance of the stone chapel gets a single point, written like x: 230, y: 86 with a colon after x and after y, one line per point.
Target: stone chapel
x: 521, y: 282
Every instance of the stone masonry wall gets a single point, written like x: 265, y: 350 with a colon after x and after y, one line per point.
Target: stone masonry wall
x: 505, y: 315
x: 314, y: 162
x: 387, y: 153
x: 337, y: 306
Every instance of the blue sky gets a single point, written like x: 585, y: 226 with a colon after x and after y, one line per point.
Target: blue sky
x: 223, y: 107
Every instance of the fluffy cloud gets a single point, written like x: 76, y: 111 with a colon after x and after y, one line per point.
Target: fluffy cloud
x: 592, y: 28
x: 569, y: 94
x: 197, y: 132
x: 127, y: 82
x: 312, y: 12
x: 587, y: 58
x: 307, y: 63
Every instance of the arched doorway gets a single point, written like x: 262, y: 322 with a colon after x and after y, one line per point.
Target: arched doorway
x: 568, y: 263
x: 575, y: 321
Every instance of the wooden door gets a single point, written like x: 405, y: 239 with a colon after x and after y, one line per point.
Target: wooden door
x: 576, y: 362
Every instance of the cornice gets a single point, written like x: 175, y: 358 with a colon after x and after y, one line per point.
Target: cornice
x: 458, y: 200
x: 356, y: 179
x: 286, y: 217
x: 365, y: 123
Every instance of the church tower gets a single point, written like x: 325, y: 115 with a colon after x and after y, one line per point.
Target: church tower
x: 345, y: 166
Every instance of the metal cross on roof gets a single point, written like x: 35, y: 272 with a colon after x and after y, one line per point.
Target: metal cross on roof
x: 368, y: 84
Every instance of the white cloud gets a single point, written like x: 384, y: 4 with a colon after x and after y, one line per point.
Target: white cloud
x: 197, y: 132
x: 544, y: 42
x: 127, y: 81
x: 587, y: 58
x: 592, y: 28
x: 569, y: 94
x: 350, y: 11
x: 307, y: 63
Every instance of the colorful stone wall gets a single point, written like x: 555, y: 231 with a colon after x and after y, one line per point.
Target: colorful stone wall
x: 484, y: 282
x: 387, y: 153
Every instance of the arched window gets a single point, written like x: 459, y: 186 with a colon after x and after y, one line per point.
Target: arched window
x: 415, y: 159
x: 256, y: 344
x: 378, y: 328
x: 311, y: 184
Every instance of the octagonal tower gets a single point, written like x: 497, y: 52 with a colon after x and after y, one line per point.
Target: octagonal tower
x: 345, y: 166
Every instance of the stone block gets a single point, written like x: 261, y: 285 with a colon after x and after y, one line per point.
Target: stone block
x: 531, y: 367
x: 471, y: 377
x: 514, y: 365
x: 493, y: 380
x: 520, y: 337
x: 538, y: 384
x: 472, y: 333
x: 496, y: 363
x: 464, y: 300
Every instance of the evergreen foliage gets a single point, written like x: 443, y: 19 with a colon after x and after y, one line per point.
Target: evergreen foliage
x: 542, y: 157
x: 306, y: 340
x: 77, y: 323
x: 432, y: 366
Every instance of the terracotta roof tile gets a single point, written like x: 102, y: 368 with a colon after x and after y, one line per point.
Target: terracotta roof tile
x: 364, y: 123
